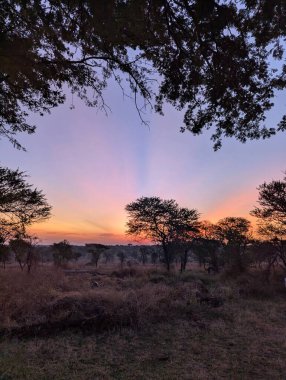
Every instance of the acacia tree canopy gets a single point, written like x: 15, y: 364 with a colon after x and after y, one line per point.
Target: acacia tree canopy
x: 214, y: 59
x: 96, y: 250
x: 206, y: 247
x: 161, y: 221
x: 271, y: 215
x: 233, y: 231
x: 272, y: 211
x: 62, y: 252
x: 20, y: 203
x: 235, y: 234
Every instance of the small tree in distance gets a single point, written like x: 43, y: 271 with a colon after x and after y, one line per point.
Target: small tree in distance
x: 24, y: 248
x: 206, y: 247
x: 234, y: 234
x: 143, y: 254
x: 122, y: 257
x: 161, y: 221
x: 96, y: 251
x: 21, y: 248
x: 62, y: 252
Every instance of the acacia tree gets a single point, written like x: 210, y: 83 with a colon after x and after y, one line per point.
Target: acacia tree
x: 265, y: 255
x: 24, y: 248
x: 20, y: 204
x: 96, y: 251
x: 20, y: 247
x: 206, y: 247
x: 161, y: 221
x: 214, y: 59
x: 122, y: 257
x: 144, y: 253
x: 271, y: 215
x: 62, y: 252
x: 234, y: 234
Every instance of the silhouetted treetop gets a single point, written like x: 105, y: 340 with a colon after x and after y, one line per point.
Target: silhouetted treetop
x: 271, y: 212
x: 233, y: 230
x: 272, y: 200
x: 162, y: 221
x: 214, y: 59
x: 20, y: 203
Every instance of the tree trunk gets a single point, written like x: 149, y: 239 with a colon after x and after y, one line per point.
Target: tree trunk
x: 168, y: 265
x: 184, y: 260
x: 167, y: 257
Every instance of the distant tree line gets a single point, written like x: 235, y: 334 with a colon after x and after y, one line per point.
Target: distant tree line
x: 176, y: 232
x: 229, y: 243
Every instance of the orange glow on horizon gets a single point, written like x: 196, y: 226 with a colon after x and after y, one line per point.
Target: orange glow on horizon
x: 112, y: 230
x: 238, y: 205
x: 77, y: 233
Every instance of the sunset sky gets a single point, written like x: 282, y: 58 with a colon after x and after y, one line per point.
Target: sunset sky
x: 91, y: 165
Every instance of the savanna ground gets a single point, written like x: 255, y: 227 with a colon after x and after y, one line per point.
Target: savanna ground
x: 140, y: 323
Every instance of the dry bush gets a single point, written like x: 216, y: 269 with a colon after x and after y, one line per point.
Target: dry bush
x: 133, y: 271
x: 109, y: 308
x: 225, y: 291
x: 49, y: 296
x: 23, y: 295
x: 254, y: 284
x: 132, y: 297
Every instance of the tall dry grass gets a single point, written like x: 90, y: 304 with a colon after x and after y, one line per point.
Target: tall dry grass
x: 130, y: 297
x: 23, y: 295
x: 126, y: 298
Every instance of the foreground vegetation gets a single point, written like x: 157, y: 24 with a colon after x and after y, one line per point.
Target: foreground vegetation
x: 140, y: 323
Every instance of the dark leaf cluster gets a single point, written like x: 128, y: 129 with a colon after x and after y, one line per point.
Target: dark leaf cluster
x: 20, y: 203
x: 213, y: 59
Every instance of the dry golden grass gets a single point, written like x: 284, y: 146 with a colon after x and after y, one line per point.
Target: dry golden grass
x: 124, y: 298
x: 23, y: 295
x: 151, y: 326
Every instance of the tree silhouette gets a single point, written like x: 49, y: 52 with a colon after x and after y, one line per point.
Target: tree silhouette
x: 62, y: 252
x: 272, y: 210
x: 271, y: 215
x: 207, y: 247
x: 213, y: 59
x: 24, y: 248
x: 20, y: 203
x: 234, y: 234
x: 161, y: 221
x: 96, y: 251
x: 21, y: 248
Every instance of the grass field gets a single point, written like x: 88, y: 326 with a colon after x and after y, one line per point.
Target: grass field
x: 150, y: 327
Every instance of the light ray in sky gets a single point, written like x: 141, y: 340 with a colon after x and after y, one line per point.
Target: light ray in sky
x: 90, y: 166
